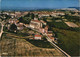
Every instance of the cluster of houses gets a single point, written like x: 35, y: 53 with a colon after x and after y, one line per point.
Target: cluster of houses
x: 47, y: 14
x: 19, y: 25
x: 38, y: 25
x: 35, y: 24
x: 15, y: 14
x: 15, y: 21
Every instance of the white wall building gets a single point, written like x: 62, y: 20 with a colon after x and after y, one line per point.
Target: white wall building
x: 37, y: 37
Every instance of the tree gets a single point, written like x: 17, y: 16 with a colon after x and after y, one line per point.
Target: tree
x: 36, y: 16
x: 50, y: 16
x: 28, y: 15
x: 32, y: 16
x: 5, y: 28
x: 13, y: 27
x: 20, y: 19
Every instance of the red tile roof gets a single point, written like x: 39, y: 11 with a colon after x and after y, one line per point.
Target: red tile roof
x: 51, y: 37
x: 42, y: 21
x: 37, y: 35
x: 36, y: 20
x: 49, y: 32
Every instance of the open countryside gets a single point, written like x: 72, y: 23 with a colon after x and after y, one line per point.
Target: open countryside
x: 39, y: 28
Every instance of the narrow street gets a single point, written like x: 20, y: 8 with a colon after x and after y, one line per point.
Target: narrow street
x: 1, y: 29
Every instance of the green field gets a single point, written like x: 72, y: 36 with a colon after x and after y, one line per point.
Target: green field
x: 57, y: 23
x: 60, y: 25
x: 41, y: 43
x: 68, y: 38
x: 68, y: 41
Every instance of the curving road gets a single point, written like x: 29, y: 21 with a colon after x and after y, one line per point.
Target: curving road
x: 1, y: 29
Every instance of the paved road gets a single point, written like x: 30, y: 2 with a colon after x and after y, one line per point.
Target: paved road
x: 53, y: 44
x: 1, y: 30
x: 57, y: 47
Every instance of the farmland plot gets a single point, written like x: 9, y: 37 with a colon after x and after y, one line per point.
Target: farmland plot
x: 21, y: 47
x: 71, y: 24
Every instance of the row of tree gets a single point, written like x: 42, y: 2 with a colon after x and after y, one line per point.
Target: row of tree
x: 27, y: 18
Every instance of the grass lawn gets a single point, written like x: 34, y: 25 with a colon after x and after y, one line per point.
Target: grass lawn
x: 41, y: 43
x: 68, y: 41
x: 60, y: 25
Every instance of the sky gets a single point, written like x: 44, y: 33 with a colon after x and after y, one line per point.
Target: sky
x: 38, y: 3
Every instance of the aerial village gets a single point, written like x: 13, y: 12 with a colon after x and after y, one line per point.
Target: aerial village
x: 34, y: 24
x: 38, y: 25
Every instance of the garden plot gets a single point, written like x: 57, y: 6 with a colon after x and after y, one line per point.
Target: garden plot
x: 71, y: 24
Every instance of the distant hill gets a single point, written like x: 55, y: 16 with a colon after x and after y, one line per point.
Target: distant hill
x: 78, y: 8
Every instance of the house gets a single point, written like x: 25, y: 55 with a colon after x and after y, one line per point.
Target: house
x: 18, y: 14
x: 35, y: 24
x: 49, y: 33
x: 20, y: 26
x: 6, y: 13
x: 8, y: 26
x: 35, y: 19
x: 41, y: 30
x: 26, y: 25
x: 10, y: 21
x: 43, y: 14
x: 37, y: 37
x: 12, y: 15
x: 52, y: 38
x: 46, y: 29
x: 15, y: 21
x: 57, y: 13
x: 43, y: 22
x: 24, y: 13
